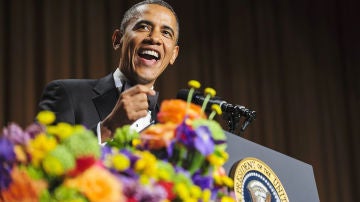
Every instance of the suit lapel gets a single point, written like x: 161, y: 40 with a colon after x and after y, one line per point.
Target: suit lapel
x: 153, y: 106
x: 107, y: 95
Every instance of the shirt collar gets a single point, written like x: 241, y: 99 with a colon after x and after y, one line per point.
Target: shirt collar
x: 120, y: 79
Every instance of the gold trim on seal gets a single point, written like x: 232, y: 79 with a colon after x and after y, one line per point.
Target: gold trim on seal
x: 240, y: 169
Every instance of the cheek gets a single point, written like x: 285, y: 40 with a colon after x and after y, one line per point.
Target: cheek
x: 129, y: 42
x: 169, y: 50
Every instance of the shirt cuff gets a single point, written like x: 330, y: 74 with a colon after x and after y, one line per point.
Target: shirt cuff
x: 98, y: 134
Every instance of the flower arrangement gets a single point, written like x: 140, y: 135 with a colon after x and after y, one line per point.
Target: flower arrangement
x: 178, y: 159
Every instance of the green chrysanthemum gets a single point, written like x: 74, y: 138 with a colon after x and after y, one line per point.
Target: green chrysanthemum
x: 83, y: 143
x: 165, y: 171
x: 58, y: 161
x: 63, y: 193
x: 123, y: 137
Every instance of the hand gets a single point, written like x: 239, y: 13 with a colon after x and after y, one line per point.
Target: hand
x: 131, y: 105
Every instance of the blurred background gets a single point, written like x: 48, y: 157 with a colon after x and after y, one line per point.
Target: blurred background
x: 295, y: 62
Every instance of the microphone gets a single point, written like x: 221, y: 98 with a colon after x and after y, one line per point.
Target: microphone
x: 236, y: 111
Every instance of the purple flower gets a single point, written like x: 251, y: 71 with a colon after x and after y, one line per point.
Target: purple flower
x: 35, y: 129
x: 105, y: 151
x: 182, y: 171
x: 15, y: 134
x: 7, y: 159
x: 185, y: 135
x: 203, y: 141
x: 152, y: 193
x: 129, y: 185
x: 205, y: 182
x: 132, y: 189
x: 5, y: 177
x: 170, y: 148
x: 7, y: 154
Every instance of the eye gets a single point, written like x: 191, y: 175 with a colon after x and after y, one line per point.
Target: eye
x: 143, y: 27
x: 167, y: 34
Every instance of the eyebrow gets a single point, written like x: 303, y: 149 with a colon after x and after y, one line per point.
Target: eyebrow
x: 152, y: 24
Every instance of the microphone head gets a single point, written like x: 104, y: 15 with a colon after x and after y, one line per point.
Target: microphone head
x: 198, y: 98
x: 182, y: 94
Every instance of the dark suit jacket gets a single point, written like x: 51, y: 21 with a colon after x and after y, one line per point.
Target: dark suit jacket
x: 84, y: 101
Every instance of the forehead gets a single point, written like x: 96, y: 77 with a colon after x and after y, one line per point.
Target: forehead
x: 156, y: 14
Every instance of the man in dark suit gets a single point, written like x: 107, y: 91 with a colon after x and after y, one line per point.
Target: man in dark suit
x: 147, y: 41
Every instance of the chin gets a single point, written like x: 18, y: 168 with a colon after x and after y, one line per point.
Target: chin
x: 144, y: 80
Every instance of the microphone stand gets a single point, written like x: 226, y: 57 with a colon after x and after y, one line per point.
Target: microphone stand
x: 233, y: 118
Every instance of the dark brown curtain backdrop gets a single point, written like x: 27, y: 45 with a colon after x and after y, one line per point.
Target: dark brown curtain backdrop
x: 295, y: 62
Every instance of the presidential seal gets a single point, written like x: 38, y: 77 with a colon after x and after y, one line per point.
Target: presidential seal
x: 254, y: 181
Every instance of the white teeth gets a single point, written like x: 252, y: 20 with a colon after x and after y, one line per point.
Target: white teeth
x: 150, y: 52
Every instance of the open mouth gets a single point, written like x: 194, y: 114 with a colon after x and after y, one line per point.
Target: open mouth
x: 149, y: 54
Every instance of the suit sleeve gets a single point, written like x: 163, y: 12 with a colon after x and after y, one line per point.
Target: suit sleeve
x: 56, y: 99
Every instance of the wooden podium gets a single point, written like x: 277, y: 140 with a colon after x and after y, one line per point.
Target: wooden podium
x: 297, y: 178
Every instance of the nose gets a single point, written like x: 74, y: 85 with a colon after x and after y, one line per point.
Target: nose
x: 155, y: 37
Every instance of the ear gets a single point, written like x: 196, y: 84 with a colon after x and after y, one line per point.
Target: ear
x: 116, y: 39
x: 174, y: 55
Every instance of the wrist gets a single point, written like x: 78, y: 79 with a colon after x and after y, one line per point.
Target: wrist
x: 106, y: 132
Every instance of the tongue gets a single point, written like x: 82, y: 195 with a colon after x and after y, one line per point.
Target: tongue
x: 147, y: 59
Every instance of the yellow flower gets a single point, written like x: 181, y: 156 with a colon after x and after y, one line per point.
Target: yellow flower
x: 221, y: 178
x: 163, y: 175
x: 20, y: 153
x: 194, y: 84
x: 120, y: 162
x: 53, y: 166
x: 146, y: 164
x: 210, y: 91
x: 97, y: 184
x: 136, y: 142
x: 228, y: 181
x: 63, y: 130
x: 39, y: 147
x: 216, y: 109
x: 46, y: 117
x: 182, y: 190
x: 227, y: 199
x: 195, y: 191
x: 215, y: 160
x: 206, y: 195
x: 144, y: 179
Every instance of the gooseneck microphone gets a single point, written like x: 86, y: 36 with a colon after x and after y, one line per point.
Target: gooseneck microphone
x: 233, y: 111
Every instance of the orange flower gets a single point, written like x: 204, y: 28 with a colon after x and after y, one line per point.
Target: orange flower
x: 158, y: 136
x: 23, y: 188
x: 97, y: 184
x: 175, y: 110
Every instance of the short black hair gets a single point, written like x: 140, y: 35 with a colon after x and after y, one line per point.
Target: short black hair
x: 131, y: 12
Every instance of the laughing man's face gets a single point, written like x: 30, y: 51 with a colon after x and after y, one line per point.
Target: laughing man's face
x: 149, y: 44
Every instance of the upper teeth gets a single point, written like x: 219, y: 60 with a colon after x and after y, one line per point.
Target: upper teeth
x: 150, y: 52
